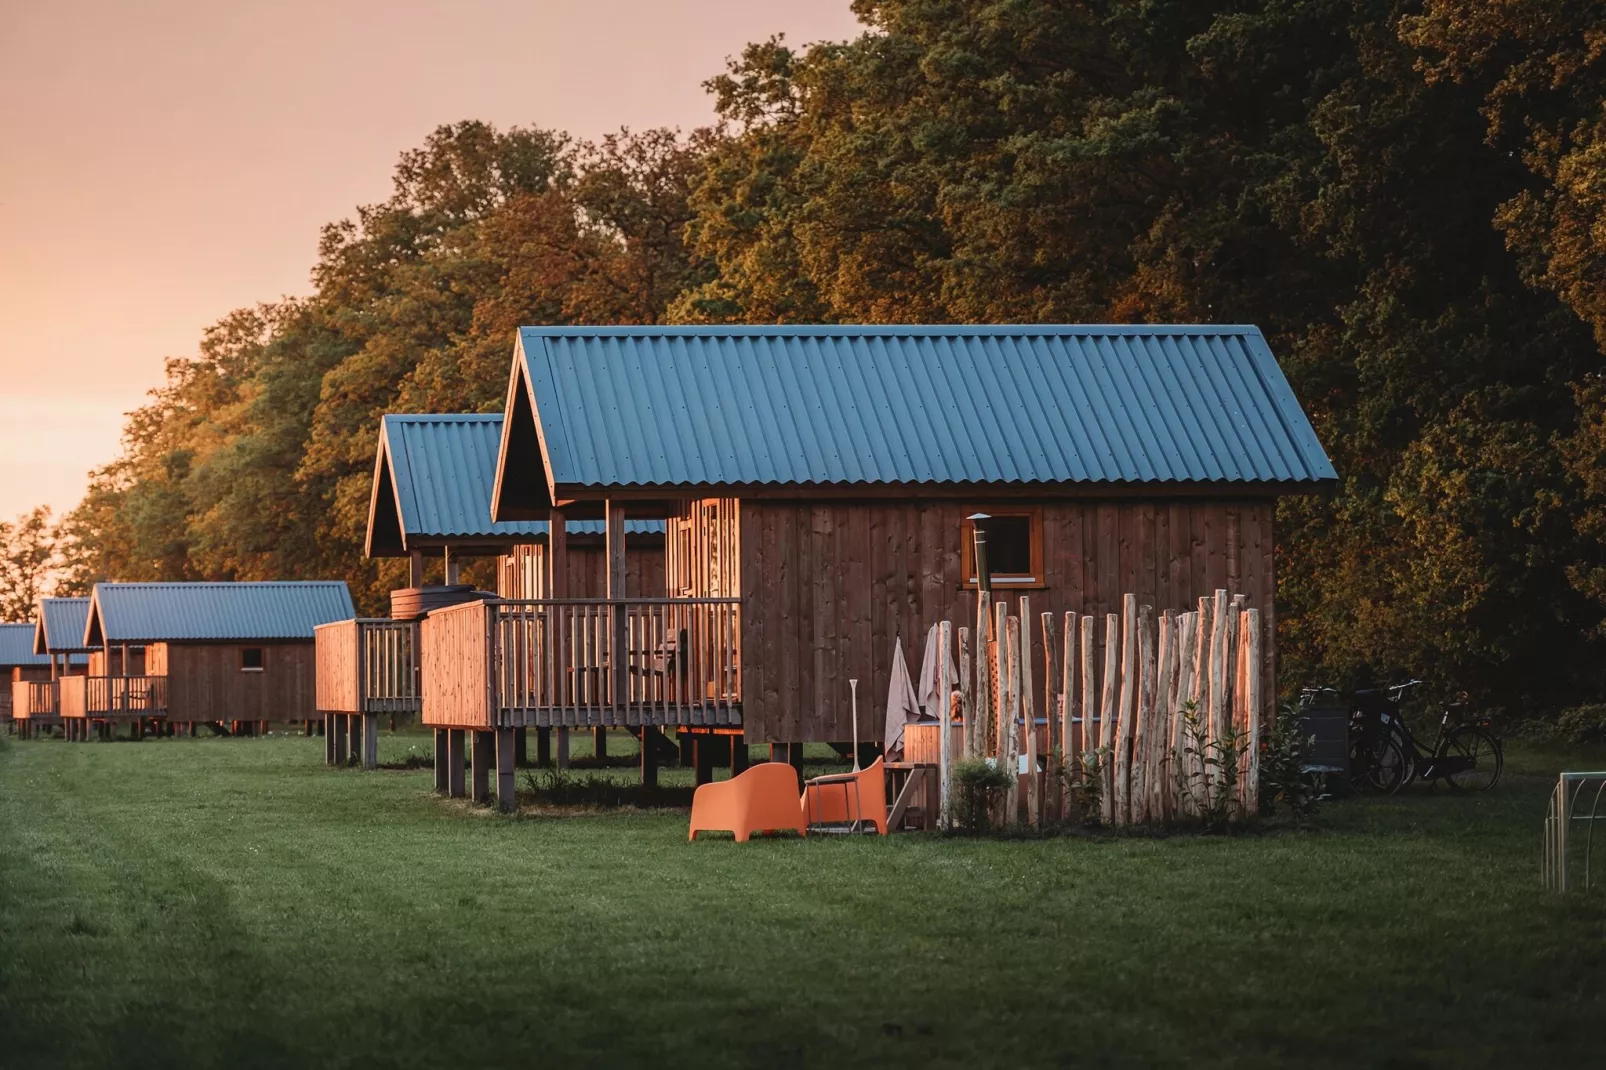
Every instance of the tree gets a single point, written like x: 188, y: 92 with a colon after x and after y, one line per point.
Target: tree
x: 27, y: 556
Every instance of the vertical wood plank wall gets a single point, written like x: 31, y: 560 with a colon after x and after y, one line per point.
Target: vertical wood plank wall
x: 702, y: 551
x: 455, y: 667
x: 829, y: 585
x: 205, y: 682
x: 99, y: 663
x: 521, y: 573
x: 336, y: 688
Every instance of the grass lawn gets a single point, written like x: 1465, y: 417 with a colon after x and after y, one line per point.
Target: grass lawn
x: 233, y: 903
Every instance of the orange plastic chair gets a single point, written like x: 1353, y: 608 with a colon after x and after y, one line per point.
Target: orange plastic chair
x: 845, y: 797
x: 763, y: 799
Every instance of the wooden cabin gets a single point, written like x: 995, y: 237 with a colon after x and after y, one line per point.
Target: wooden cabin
x: 21, y: 665
x: 821, y: 487
x: 431, y: 498
x: 222, y: 653
x: 58, y: 639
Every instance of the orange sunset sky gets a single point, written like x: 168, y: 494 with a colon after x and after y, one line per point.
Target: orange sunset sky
x: 170, y: 160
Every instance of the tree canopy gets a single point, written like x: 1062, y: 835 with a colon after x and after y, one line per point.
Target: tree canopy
x: 1406, y: 195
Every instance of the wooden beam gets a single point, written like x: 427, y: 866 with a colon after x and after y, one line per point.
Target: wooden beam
x: 370, y: 741
x: 506, y: 799
x: 415, y: 568
x: 443, y: 758
x: 557, y: 556
x: 480, y: 757
x: 449, y: 564
x: 649, y: 756
x: 454, y: 762
x: 619, y: 645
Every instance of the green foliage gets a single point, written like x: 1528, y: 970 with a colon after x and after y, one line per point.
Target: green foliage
x: 1583, y: 724
x: 28, y: 553
x: 978, y: 786
x: 1283, y: 783
x: 1086, y: 787
x: 1205, y: 773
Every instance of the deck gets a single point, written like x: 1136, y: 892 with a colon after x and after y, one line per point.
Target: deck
x: 583, y: 662
x: 34, y: 700
x: 367, y: 666
x: 113, y: 697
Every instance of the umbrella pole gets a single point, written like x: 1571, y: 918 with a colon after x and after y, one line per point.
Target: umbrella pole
x: 854, y: 685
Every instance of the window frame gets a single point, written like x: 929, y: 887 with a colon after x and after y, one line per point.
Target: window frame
x: 262, y: 658
x: 1036, y: 580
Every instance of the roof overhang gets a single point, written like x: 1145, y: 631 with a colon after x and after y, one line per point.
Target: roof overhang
x: 387, y: 535
x: 523, y: 488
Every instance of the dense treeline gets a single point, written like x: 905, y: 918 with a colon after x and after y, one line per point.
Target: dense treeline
x: 1406, y: 196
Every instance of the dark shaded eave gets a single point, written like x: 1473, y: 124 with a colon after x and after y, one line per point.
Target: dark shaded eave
x: 385, y: 536
x: 584, y: 502
x: 523, y: 488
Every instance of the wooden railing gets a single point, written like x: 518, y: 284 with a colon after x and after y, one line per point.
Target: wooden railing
x: 585, y: 661
x: 113, y: 696
x: 130, y: 695
x: 33, y: 698
x: 367, y: 665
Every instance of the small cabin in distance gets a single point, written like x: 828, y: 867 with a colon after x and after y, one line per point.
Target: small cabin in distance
x: 821, y: 482
x: 431, y: 498
x: 220, y: 653
x: 21, y: 665
x: 58, y: 638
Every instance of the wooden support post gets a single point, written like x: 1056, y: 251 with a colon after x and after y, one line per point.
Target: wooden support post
x: 353, y: 737
x: 1028, y: 714
x: 1109, y: 707
x: 454, y: 762
x: 739, y: 756
x: 967, y: 695
x: 449, y: 566
x: 1009, y: 718
x: 706, y: 751
x: 982, y: 706
x: 791, y: 754
x: 599, y: 741
x: 543, y: 747
x: 619, y: 641
x: 481, y: 759
x: 1165, y: 685
x: 370, y: 741
x: 563, y: 748
x: 415, y: 568
x: 685, y: 754
x: 443, y: 759
x: 1143, y: 727
x: 1254, y: 701
x: 649, y: 755
x: 521, y: 747
x: 1071, y: 768
x: 506, y: 787
x: 945, y: 755
x: 328, y: 741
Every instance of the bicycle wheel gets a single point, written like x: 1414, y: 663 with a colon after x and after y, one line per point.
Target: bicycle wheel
x: 1379, y: 769
x: 1477, y: 755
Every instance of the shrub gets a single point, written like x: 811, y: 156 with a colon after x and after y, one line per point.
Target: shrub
x: 1283, y: 783
x: 1206, y: 773
x: 979, y: 786
x: 1583, y: 724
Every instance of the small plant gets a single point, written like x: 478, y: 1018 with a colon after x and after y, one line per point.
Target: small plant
x: 1283, y: 781
x: 1205, y: 774
x: 414, y: 758
x: 1086, y: 790
x: 979, y: 786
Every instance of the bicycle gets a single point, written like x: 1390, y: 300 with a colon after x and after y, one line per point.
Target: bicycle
x: 1377, y: 761
x: 1468, y: 757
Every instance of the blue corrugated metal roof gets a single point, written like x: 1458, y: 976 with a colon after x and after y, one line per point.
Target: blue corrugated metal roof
x: 60, y: 628
x: 16, y: 646
x: 241, y: 612
x: 439, y: 470
x: 733, y: 406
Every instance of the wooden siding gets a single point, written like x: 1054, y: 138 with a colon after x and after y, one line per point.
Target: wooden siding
x: 828, y: 587
x: 102, y: 665
x: 521, y: 573
x: 702, y: 556
x: 335, y: 688
x: 455, y: 667
x: 367, y: 666
x: 206, y: 683
x: 34, y: 700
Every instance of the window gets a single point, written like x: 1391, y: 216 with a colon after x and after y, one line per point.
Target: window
x: 1014, y: 540
x: 250, y: 659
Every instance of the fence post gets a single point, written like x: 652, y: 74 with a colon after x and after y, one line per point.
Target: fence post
x: 945, y: 755
x: 1107, y: 714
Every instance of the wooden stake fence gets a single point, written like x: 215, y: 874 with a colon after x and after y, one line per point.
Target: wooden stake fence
x: 1172, y: 726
